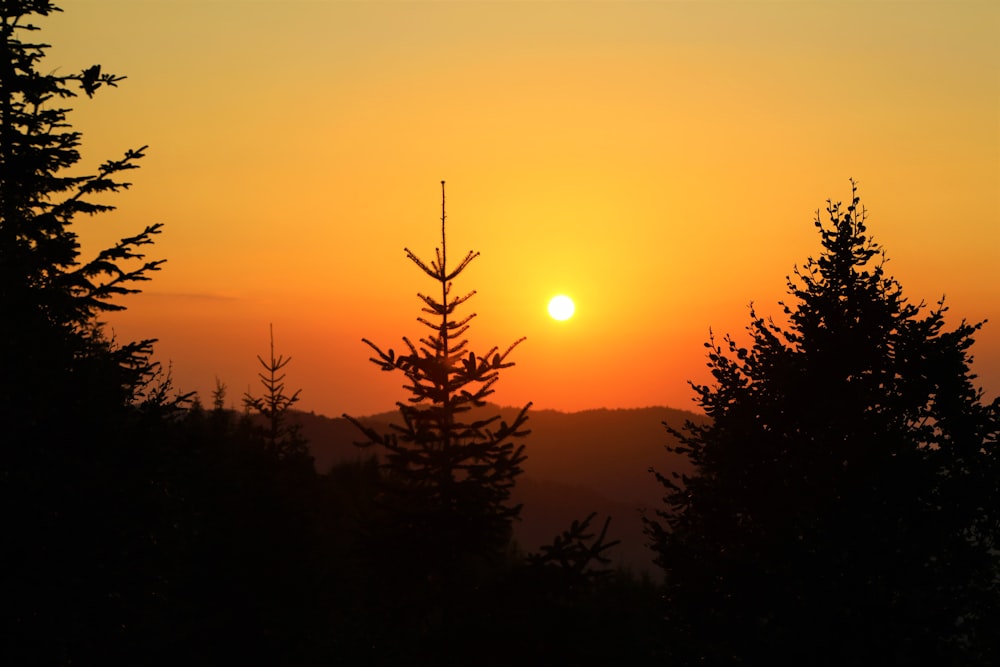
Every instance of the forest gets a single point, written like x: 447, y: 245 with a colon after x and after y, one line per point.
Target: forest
x: 836, y: 505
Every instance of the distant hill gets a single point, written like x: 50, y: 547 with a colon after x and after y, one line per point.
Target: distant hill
x: 578, y: 462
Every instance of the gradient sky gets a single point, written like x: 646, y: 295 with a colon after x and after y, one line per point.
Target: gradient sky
x: 660, y: 162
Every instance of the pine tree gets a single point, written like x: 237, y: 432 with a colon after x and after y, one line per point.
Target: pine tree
x: 79, y: 482
x: 283, y: 439
x: 448, y: 475
x: 578, y: 556
x: 57, y: 350
x: 843, y: 508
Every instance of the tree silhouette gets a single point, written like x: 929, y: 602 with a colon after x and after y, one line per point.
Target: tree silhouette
x: 843, y: 508
x: 571, y: 608
x: 577, y: 555
x: 55, y: 297
x: 446, y: 477
x: 77, y: 492
x: 282, y: 438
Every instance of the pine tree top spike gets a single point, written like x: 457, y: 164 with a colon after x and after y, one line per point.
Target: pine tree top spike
x: 444, y: 249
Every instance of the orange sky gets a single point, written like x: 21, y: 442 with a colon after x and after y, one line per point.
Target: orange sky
x: 659, y: 162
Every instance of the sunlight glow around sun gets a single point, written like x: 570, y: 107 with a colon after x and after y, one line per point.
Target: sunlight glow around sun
x: 561, y: 307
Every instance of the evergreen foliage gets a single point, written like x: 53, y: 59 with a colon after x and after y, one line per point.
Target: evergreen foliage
x: 54, y: 295
x: 82, y: 567
x: 439, y: 532
x: 283, y: 438
x: 448, y: 480
x: 843, y: 508
x: 578, y: 554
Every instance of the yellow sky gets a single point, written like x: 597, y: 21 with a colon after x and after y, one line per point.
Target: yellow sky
x: 660, y: 162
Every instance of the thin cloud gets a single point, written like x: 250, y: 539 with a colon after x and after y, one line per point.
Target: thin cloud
x: 190, y: 296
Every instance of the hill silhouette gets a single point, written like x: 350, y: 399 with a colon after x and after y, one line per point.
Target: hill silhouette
x: 578, y: 462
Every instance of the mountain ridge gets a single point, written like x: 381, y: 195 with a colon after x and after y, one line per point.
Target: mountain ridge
x: 577, y: 463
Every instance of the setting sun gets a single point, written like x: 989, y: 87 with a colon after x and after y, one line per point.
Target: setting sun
x: 561, y: 307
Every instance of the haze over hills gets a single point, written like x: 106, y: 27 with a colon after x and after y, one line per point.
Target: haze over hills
x: 578, y: 463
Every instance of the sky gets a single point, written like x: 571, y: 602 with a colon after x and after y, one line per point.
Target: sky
x: 659, y: 162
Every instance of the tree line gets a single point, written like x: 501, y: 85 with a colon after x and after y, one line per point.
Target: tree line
x: 841, y: 508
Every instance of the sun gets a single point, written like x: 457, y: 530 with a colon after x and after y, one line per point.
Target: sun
x: 561, y: 307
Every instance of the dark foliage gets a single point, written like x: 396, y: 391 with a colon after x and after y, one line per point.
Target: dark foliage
x: 283, y: 437
x: 843, y: 506
x: 442, y: 523
x: 51, y: 296
x: 80, y: 562
x: 578, y: 555
x: 447, y: 479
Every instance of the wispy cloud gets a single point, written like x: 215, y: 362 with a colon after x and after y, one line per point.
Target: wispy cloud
x: 189, y: 296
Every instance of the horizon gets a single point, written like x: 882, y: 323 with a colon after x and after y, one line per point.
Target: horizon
x: 660, y: 163
x: 489, y: 406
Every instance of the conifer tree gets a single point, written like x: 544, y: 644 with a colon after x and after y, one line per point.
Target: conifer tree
x: 282, y: 438
x: 54, y: 296
x: 843, y: 508
x: 447, y: 474
x: 79, y: 481
x: 578, y: 555
x: 219, y: 395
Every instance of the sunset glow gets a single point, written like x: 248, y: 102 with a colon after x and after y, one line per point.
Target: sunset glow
x: 665, y: 160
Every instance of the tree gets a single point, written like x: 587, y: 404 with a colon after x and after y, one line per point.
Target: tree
x: 282, y: 438
x: 843, y: 508
x: 77, y: 493
x: 446, y: 476
x: 57, y: 348
x: 577, y: 556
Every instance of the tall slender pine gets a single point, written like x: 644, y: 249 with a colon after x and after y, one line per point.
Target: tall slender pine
x: 282, y: 438
x: 448, y: 473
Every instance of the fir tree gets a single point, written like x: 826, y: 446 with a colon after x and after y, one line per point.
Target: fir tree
x: 843, y: 508
x: 282, y: 438
x: 577, y: 555
x: 55, y: 298
x: 447, y: 474
x: 80, y: 482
